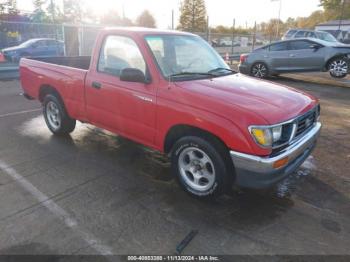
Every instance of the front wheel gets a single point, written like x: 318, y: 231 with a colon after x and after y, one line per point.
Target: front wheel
x: 56, y: 117
x: 259, y: 70
x: 338, y: 67
x: 200, y: 167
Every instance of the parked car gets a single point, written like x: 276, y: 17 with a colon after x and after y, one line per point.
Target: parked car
x: 171, y: 91
x: 302, y: 33
x: 34, y: 47
x: 224, y: 42
x: 299, y: 55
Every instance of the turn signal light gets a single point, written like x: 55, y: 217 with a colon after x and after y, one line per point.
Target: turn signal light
x: 280, y: 163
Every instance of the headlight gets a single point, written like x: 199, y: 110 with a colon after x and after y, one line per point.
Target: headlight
x: 269, y: 136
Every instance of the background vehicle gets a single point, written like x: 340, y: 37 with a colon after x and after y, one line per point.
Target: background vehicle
x: 302, y: 33
x: 171, y: 91
x: 299, y: 55
x: 224, y: 42
x: 37, y: 47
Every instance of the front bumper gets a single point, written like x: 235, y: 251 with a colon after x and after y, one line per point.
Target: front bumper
x: 258, y: 172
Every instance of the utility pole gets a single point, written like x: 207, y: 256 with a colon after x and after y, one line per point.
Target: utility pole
x: 172, y: 19
x: 279, y: 19
x: 233, y: 35
x: 208, y: 28
x: 52, y: 10
x: 341, y: 16
x: 254, y: 37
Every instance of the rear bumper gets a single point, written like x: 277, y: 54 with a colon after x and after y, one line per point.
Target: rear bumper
x: 258, y: 172
x: 244, y: 69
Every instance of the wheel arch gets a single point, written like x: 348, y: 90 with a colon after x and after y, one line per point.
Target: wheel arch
x: 334, y: 57
x: 181, y: 130
x: 46, y: 89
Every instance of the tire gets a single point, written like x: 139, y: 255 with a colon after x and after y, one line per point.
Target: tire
x: 200, y: 167
x: 259, y: 70
x: 338, y: 67
x: 56, y: 117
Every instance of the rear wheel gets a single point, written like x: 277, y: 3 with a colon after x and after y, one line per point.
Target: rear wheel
x: 200, y: 167
x: 338, y: 67
x: 56, y: 117
x: 259, y: 70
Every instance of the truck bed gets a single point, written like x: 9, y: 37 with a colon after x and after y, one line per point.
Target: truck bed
x: 65, y: 74
x: 80, y: 62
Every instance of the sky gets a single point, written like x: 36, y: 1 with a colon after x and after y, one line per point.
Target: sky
x: 221, y: 12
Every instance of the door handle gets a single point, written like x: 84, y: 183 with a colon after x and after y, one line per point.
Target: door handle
x: 291, y: 55
x: 96, y: 85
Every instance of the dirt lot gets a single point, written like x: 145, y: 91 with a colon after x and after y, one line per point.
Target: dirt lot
x: 95, y: 193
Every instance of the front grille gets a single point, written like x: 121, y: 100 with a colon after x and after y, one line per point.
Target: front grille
x: 295, y: 129
x: 305, y: 122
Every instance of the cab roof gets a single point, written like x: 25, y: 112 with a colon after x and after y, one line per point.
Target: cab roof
x: 144, y: 31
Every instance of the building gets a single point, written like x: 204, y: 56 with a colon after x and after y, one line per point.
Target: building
x: 339, y: 28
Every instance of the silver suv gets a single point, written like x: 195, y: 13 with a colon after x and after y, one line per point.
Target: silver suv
x: 302, y: 33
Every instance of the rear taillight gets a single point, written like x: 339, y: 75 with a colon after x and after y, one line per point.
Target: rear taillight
x: 243, y: 58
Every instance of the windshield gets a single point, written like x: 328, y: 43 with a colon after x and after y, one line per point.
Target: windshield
x: 326, y: 37
x: 186, y: 57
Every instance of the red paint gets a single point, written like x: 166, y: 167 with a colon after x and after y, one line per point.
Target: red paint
x: 224, y: 106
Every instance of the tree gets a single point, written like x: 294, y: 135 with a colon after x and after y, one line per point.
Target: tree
x: 146, y: 19
x: 336, y: 9
x: 11, y: 6
x: 55, y: 13
x: 72, y: 11
x: 193, y: 16
x: 39, y: 15
x: 113, y: 18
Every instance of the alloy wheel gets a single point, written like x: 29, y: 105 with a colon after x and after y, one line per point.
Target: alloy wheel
x: 196, y: 169
x: 259, y: 70
x: 338, y: 68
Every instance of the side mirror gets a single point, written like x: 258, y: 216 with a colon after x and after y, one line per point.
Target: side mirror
x: 133, y: 75
x: 315, y: 46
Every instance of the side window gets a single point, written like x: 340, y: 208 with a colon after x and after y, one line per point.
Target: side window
x: 118, y: 53
x: 311, y: 34
x: 300, y: 45
x: 52, y: 43
x: 290, y: 33
x: 300, y: 34
x: 279, y: 47
x: 40, y: 43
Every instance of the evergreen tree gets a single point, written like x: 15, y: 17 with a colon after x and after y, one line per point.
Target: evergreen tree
x: 145, y: 19
x: 39, y: 15
x: 193, y: 16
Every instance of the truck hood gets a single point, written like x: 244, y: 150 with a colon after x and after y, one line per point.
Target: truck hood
x: 273, y: 102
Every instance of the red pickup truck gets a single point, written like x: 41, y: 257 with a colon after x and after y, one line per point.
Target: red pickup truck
x: 171, y: 91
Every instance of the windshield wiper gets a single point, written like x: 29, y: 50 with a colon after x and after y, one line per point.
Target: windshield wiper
x: 191, y: 73
x: 220, y: 69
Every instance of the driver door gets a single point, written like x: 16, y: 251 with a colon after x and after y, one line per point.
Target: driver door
x: 127, y: 108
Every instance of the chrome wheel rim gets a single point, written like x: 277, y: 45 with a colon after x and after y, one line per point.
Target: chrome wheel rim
x: 53, y: 115
x: 339, y: 67
x: 259, y: 70
x: 196, y: 169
